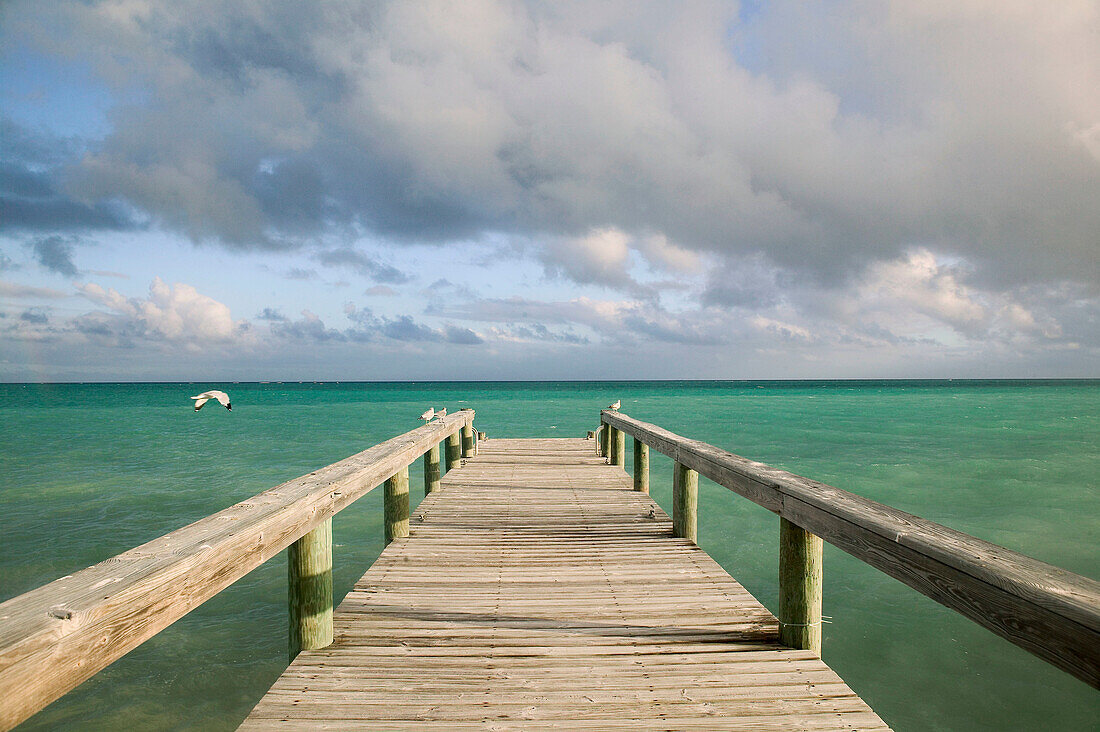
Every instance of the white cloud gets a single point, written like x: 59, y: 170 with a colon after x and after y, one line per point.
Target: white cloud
x: 778, y: 327
x: 176, y: 313
x: 865, y: 131
x: 918, y: 285
x: 664, y: 254
x: 600, y: 257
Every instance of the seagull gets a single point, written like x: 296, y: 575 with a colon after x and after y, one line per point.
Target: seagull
x: 206, y: 396
x: 427, y: 416
x: 618, y: 403
x: 441, y: 413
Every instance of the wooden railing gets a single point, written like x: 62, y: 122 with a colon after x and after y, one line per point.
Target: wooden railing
x: 1048, y: 611
x: 55, y: 637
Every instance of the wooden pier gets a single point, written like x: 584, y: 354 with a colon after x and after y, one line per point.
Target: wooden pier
x: 538, y: 586
x: 538, y: 590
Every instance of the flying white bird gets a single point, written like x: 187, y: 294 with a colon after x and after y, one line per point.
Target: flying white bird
x: 427, y: 416
x: 618, y: 403
x: 441, y: 413
x: 206, y: 396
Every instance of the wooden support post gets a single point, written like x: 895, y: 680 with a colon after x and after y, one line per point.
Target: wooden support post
x: 605, y: 450
x: 396, y: 505
x: 467, y: 440
x: 431, y: 469
x: 618, y: 448
x: 641, y: 466
x: 685, y: 501
x: 309, y: 590
x: 591, y: 434
x: 800, y: 580
x: 453, y: 451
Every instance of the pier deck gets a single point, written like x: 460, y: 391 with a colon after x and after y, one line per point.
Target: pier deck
x: 538, y: 591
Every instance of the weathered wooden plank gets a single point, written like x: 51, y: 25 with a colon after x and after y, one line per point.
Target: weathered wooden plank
x: 532, y: 592
x: 1049, y: 611
x: 58, y: 635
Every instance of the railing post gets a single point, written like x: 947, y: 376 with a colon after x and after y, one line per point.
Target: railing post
x: 453, y: 451
x: 467, y: 439
x: 618, y: 447
x: 431, y: 469
x: 685, y: 501
x: 605, y: 430
x: 641, y: 466
x: 800, y: 580
x: 395, y: 501
x: 309, y: 590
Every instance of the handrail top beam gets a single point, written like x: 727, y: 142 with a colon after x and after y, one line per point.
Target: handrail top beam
x: 55, y: 636
x: 950, y: 546
x: 956, y: 569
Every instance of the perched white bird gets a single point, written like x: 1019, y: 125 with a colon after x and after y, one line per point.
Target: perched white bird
x: 618, y: 403
x: 206, y: 396
x: 441, y: 413
x: 427, y: 416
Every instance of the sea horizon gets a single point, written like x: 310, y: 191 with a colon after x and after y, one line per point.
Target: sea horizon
x: 844, y: 379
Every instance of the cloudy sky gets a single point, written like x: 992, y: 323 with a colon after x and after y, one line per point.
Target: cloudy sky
x: 200, y: 190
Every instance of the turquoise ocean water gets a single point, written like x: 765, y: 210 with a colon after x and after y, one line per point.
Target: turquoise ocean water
x: 88, y: 471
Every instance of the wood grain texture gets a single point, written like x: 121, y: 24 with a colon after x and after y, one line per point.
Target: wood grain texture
x: 469, y: 441
x: 431, y: 469
x: 309, y: 590
x: 1044, y: 609
x: 395, y: 506
x: 618, y: 448
x: 800, y: 583
x: 538, y: 590
x: 641, y: 466
x: 685, y: 503
x: 58, y: 635
x: 453, y: 451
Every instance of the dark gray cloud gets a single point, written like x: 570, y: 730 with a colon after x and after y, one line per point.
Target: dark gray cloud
x: 905, y: 129
x: 363, y: 264
x: 271, y: 314
x: 539, y: 332
x: 309, y: 328
x: 404, y: 328
x: 366, y: 327
x: 461, y: 336
x: 32, y: 196
x: 37, y: 316
x: 55, y: 254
